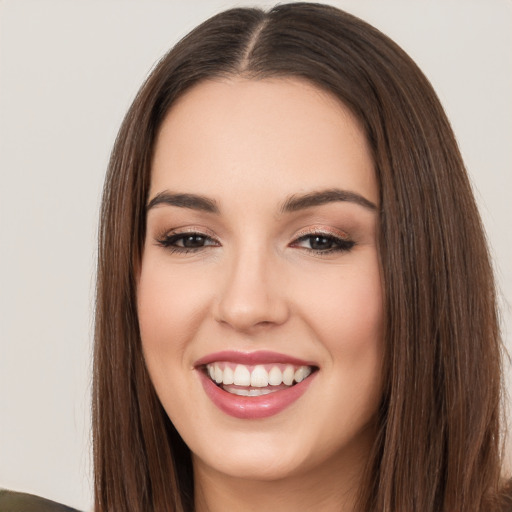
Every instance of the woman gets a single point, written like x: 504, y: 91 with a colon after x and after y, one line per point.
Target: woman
x: 295, y: 305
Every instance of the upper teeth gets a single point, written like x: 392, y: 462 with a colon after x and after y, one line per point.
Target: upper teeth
x: 258, y: 376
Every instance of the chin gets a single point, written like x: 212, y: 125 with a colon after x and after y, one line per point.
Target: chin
x: 263, y: 461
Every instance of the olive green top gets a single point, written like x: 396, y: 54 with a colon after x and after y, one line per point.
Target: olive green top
x: 11, y: 501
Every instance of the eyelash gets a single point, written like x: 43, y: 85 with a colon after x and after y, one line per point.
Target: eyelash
x: 169, y: 242
x: 337, y: 243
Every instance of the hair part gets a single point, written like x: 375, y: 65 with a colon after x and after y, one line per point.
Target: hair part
x: 439, y: 443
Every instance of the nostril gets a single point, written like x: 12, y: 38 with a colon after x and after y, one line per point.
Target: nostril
x: 251, y: 315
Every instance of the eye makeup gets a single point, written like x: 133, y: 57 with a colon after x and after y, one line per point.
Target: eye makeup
x: 318, y: 241
x: 187, y: 240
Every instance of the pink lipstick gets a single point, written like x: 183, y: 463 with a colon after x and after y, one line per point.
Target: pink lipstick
x: 254, y: 385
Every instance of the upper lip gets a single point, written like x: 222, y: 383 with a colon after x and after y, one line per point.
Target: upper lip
x: 252, y: 358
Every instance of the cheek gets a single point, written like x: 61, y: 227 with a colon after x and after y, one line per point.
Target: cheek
x: 169, y: 305
x: 347, y: 317
x: 346, y: 309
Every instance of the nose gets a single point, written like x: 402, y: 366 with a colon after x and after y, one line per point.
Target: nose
x: 252, y: 294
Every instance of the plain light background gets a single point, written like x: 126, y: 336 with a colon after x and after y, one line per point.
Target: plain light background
x: 68, y: 72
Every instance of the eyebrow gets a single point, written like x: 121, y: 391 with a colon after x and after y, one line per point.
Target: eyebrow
x: 292, y: 204
x: 192, y: 201
x: 301, y: 202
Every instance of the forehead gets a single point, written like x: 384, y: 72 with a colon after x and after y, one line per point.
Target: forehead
x: 284, y: 135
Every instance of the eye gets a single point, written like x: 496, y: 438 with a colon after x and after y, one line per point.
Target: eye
x: 323, y: 243
x: 186, y: 242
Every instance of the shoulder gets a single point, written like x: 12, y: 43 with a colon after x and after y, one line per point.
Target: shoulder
x: 11, y: 501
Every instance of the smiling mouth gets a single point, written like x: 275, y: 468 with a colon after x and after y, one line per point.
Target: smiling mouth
x: 256, y: 380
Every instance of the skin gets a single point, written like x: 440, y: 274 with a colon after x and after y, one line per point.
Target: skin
x: 249, y: 145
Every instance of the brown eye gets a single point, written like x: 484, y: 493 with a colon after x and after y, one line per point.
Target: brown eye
x: 186, y: 242
x: 192, y: 241
x: 323, y: 243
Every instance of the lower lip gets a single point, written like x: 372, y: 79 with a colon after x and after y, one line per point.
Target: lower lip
x: 254, y: 407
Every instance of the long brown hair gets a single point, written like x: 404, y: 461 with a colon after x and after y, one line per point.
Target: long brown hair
x: 439, y: 442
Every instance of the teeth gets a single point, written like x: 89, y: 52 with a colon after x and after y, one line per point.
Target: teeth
x: 259, y: 377
x: 229, y: 377
x: 242, y: 376
x: 275, y: 376
x: 302, y: 373
x: 249, y: 392
x: 288, y: 375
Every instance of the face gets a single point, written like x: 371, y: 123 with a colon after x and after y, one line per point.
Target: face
x: 259, y: 294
